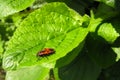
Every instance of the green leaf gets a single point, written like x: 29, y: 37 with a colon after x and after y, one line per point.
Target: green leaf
x: 8, y: 7
x: 105, y: 29
x: 113, y: 72
x: 1, y: 46
x: 111, y: 3
x: 117, y: 51
x: 94, y: 22
x: 116, y: 45
x: 1, y: 50
x: 108, y: 2
x: 70, y: 56
x: 18, y: 18
x: 105, y: 12
x: 115, y: 23
x: 100, y: 52
x: 6, y: 29
x: 66, y: 1
x: 29, y: 73
x: 53, y: 26
x: 82, y: 68
x: 108, y: 32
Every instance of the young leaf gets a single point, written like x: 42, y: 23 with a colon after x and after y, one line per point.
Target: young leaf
x: 108, y: 32
x: 8, y: 7
x: 53, y: 26
x: 94, y: 23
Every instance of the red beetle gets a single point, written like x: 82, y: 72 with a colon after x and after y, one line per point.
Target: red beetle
x: 46, y: 52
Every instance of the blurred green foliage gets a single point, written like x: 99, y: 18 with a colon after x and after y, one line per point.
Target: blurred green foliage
x: 101, y: 47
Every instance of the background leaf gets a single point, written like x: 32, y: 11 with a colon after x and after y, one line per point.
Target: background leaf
x: 105, y: 12
x: 29, y: 73
x: 81, y: 68
x: 113, y: 72
x: 1, y: 46
x: 112, y: 3
x: 9, y: 7
x: 100, y: 52
x: 108, y: 2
